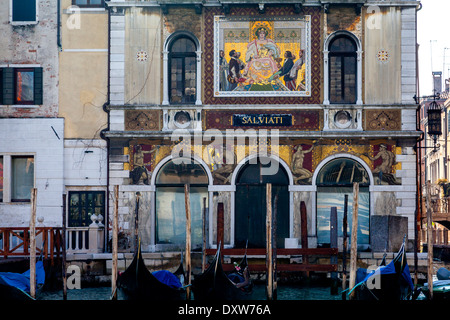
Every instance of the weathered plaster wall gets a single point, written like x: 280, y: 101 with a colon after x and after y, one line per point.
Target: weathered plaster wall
x: 382, y: 56
x: 33, y: 44
x: 37, y: 139
x: 142, y: 56
x: 83, y: 71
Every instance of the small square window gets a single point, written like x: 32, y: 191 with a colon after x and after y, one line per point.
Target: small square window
x: 88, y: 3
x: 23, y: 11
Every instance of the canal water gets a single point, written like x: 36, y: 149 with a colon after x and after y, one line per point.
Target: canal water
x: 284, y: 292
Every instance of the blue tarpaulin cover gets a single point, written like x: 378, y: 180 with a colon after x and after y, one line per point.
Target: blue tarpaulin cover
x: 167, y: 278
x: 362, y: 276
x: 22, y: 280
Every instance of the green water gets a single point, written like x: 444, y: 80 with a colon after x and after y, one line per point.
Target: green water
x: 284, y: 292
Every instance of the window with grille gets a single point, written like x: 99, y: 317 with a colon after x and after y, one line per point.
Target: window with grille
x: 82, y: 205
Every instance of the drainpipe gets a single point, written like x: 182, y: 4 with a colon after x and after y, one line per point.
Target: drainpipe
x: 102, y: 133
x: 58, y: 28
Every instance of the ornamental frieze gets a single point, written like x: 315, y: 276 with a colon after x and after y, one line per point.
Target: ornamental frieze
x: 142, y: 120
x: 383, y: 120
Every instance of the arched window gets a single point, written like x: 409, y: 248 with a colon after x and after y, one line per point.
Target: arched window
x: 343, y: 70
x: 182, y: 84
x: 335, y: 180
x: 170, y: 209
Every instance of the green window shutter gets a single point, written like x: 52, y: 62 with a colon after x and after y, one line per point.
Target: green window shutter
x: 38, y: 86
x: 8, y: 86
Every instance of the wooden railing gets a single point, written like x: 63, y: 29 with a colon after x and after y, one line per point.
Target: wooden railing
x: 16, y: 242
x: 440, y: 236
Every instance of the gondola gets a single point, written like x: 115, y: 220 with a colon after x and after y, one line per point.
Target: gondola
x: 16, y: 286
x: 386, y: 283
x: 215, y: 284
x: 441, y: 287
x: 137, y: 283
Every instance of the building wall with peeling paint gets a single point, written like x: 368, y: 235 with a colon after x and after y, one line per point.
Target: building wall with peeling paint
x: 83, y: 59
x: 33, y: 44
x: 32, y: 130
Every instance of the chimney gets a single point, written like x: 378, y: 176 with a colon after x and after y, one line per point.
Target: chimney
x: 437, y: 81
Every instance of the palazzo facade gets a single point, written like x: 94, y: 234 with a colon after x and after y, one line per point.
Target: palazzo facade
x: 228, y: 96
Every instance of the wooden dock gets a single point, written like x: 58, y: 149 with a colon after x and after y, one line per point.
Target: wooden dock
x: 299, y: 267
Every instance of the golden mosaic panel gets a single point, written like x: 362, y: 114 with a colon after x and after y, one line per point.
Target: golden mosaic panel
x: 383, y: 119
x: 142, y: 120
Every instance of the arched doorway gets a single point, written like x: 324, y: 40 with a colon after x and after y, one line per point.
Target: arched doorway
x: 250, y: 204
x: 334, y: 181
x: 170, y: 212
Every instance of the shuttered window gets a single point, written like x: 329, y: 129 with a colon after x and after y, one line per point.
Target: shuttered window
x: 21, y: 86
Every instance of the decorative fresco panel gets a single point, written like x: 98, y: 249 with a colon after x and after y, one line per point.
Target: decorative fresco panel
x: 267, y: 57
x: 141, y: 162
x: 383, y: 120
x: 142, y: 120
x: 303, y: 157
x: 262, y: 41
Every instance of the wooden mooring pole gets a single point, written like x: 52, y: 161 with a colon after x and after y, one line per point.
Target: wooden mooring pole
x: 33, y: 244
x: 269, y: 257
x: 344, y: 248
x: 114, y: 272
x: 204, y: 235
x: 136, y: 221
x: 429, y: 241
x: 188, y: 240
x: 354, y: 239
x: 334, y: 244
x: 274, y: 246
x: 220, y: 228
x: 304, y: 234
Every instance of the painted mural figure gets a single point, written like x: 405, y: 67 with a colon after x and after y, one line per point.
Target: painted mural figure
x: 140, y: 172
x: 298, y: 71
x: 285, y: 71
x: 225, y: 170
x: 261, y: 56
x: 234, y: 70
x: 297, y: 165
x: 223, y: 68
x: 385, y: 168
